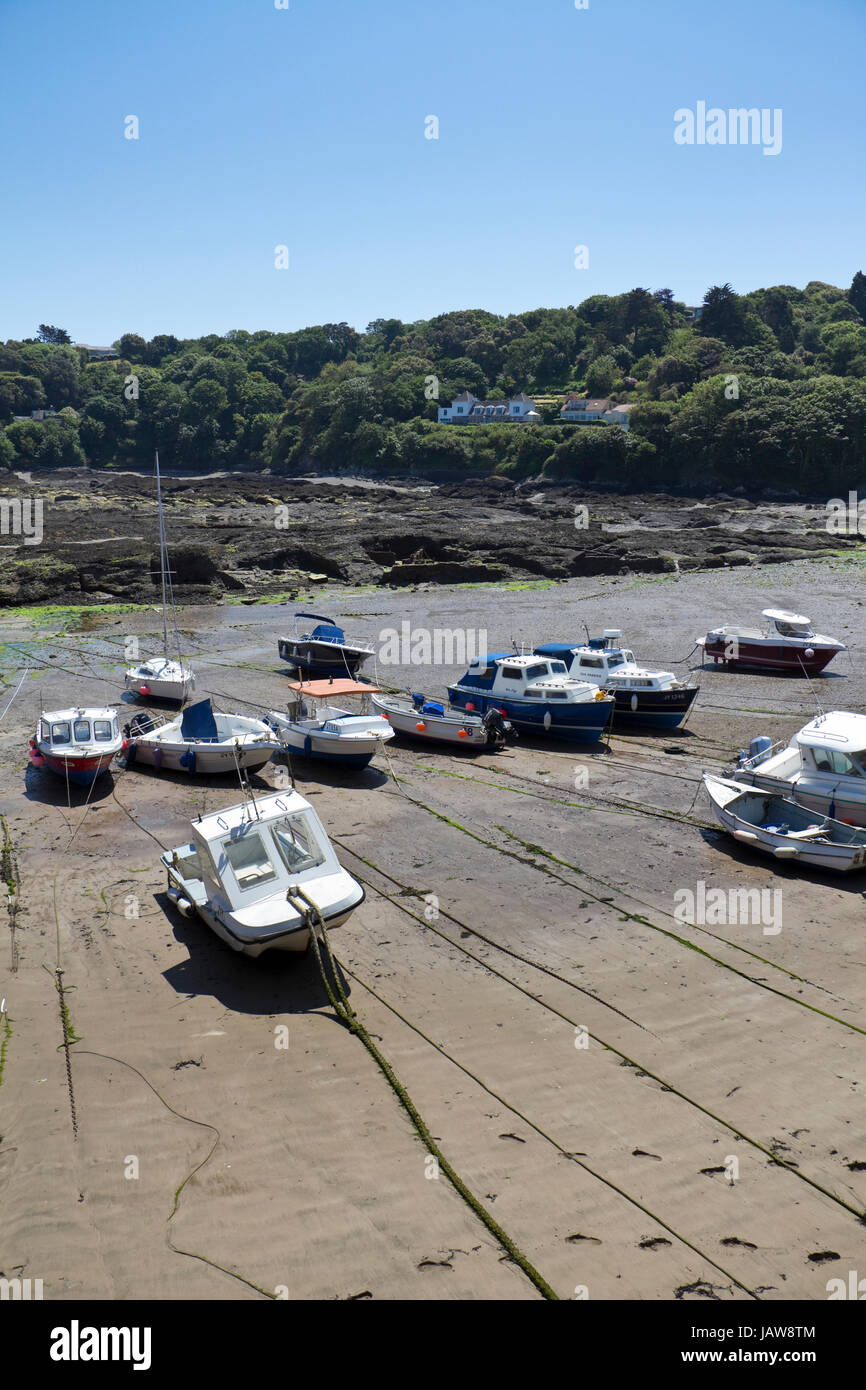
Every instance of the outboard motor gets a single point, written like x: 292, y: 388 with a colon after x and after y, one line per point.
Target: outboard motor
x: 758, y: 749
x: 498, y: 728
x: 418, y: 700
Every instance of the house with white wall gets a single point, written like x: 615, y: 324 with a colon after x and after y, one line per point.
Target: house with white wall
x: 467, y: 409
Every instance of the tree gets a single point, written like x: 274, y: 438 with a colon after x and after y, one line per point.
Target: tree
x: 600, y: 376
x: 723, y: 316
x: 132, y: 346
x: 49, y: 334
x: 857, y: 294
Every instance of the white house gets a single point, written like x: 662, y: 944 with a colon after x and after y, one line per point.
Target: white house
x: 618, y: 414
x: 98, y: 354
x: 467, y: 409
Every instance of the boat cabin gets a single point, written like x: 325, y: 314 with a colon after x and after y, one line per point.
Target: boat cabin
x: 79, y: 728
x: 522, y: 677
x: 835, y: 743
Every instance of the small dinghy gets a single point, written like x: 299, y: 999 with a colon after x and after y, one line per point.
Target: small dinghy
x: 326, y: 651
x: 416, y: 717
x: 315, y: 728
x: 778, y: 826
x: 200, y: 741
x: 78, y: 744
x: 244, y: 866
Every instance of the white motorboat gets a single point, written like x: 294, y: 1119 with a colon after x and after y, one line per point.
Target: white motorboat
x: 656, y: 699
x: 416, y: 717
x: 164, y: 677
x: 78, y: 744
x: 200, y: 741
x: 823, y: 767
x: 325, y: 651
x: 241, y: 871
x: 778, y: 826
x: 313, y: 727
x: 787, y: 642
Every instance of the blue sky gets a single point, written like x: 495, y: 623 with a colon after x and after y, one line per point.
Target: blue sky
x: 305, y: 127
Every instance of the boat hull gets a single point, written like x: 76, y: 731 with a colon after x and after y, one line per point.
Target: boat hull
x: 355, y: 753
x: 657, y: 709
x: 577, y: 723
x: 753, y: 654
x: 322, y: 658
x: 81, y: 771
x: 205, y: 760
x: 809, y: 851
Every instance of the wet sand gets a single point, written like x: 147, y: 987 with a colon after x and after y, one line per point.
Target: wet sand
x: 264, y: 1169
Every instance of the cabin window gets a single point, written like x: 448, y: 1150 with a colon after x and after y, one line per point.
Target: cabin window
x: 297, y: 844
x: 534, y: 672
x: 556, y: 695
x: 794, y: 629
x: 60, y: 733
x: 249, y: 860
x: 81, y: 730
x: 514, y: 673
x: 593, y: 662
x: 828, y: 760
x: 614, y: 660
x: 102, y: 730
x: 558, y: 668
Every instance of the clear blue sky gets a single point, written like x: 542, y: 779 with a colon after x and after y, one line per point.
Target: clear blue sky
x: 305, y: 127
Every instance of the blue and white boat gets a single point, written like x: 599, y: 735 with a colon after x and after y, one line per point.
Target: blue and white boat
x: 654, y: 699
x: 536, y: 693
x: 325, y: 651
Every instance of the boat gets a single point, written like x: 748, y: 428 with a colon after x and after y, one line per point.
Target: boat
x: 823, y: 766
x: 78, y: 744
x: 786, y: 642
x: 536, y: 694
x: 325, y: 651
x: 315, y: 728
x: 658, y: 699
x: 416, y: 717
x: 244, y: 866
x: 779, y: 826
x: 164, y: 677
x: 200, y: 741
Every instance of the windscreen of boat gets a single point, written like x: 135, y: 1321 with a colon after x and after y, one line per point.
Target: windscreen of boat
x: 102, y: 730
x: 794, y: 629
x: 249, y: 860
x: 840, y: 764
x: 61, y: 733
x: 594, y: 663
x: 553, y: 668
x: 614, y: 659
x: 81, y: 730
x: 299, y: 849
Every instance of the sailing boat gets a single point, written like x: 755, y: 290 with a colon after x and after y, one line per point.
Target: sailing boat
x: 163, y: 677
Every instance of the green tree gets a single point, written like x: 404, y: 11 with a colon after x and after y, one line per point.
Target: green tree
x: 49, y: 334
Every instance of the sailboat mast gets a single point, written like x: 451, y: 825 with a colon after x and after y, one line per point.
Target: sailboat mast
x: 162, y: 556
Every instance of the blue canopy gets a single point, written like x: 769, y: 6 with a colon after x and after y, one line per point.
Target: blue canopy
x: 197, y: 721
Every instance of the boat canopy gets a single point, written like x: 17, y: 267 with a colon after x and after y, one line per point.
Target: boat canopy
x: 322, y: 689
x: 198, y: 722
x: 839, y: 729
x: 781, y: 615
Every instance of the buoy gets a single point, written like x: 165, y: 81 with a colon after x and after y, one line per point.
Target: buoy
x: 144, y: 690
x: 633, y: 703
x: 421, y: 726
x: 461, y: 733
x: 547, y: 719
x: 470, y: 706
x: 809, y: 653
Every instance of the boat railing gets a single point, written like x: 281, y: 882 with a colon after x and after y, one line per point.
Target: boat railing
x: 762, y: 755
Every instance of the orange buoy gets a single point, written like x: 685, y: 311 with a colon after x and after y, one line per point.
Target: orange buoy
x: 421, y: 727
x: 470, y: 705
x: 144, y: 690
x: 461, y: 733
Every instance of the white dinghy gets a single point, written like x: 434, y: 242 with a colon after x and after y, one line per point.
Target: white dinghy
x: 164, y: 677
x: 242, y: 872
x: 315, y: 728
x: 416, y: 717
x: 777, y: 825
x: 200, y: 741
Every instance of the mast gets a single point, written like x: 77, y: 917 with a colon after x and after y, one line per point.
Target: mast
x: 162, y: 557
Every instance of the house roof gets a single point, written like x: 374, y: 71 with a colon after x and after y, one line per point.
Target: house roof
x: 522, y: 396
x: 465, y: 396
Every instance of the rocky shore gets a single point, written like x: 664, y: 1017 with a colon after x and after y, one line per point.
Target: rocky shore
x: 251, y: 536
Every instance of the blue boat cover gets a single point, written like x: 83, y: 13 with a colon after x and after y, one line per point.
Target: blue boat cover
x: 197, y: 721
x: 555, y: 648
x: 432, y: 707
x: 328, y: 632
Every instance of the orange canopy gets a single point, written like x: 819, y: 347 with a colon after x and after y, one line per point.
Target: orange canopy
x: 320, y: 689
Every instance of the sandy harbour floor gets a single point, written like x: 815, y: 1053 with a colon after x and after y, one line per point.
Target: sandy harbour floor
x: 709, y: 1139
